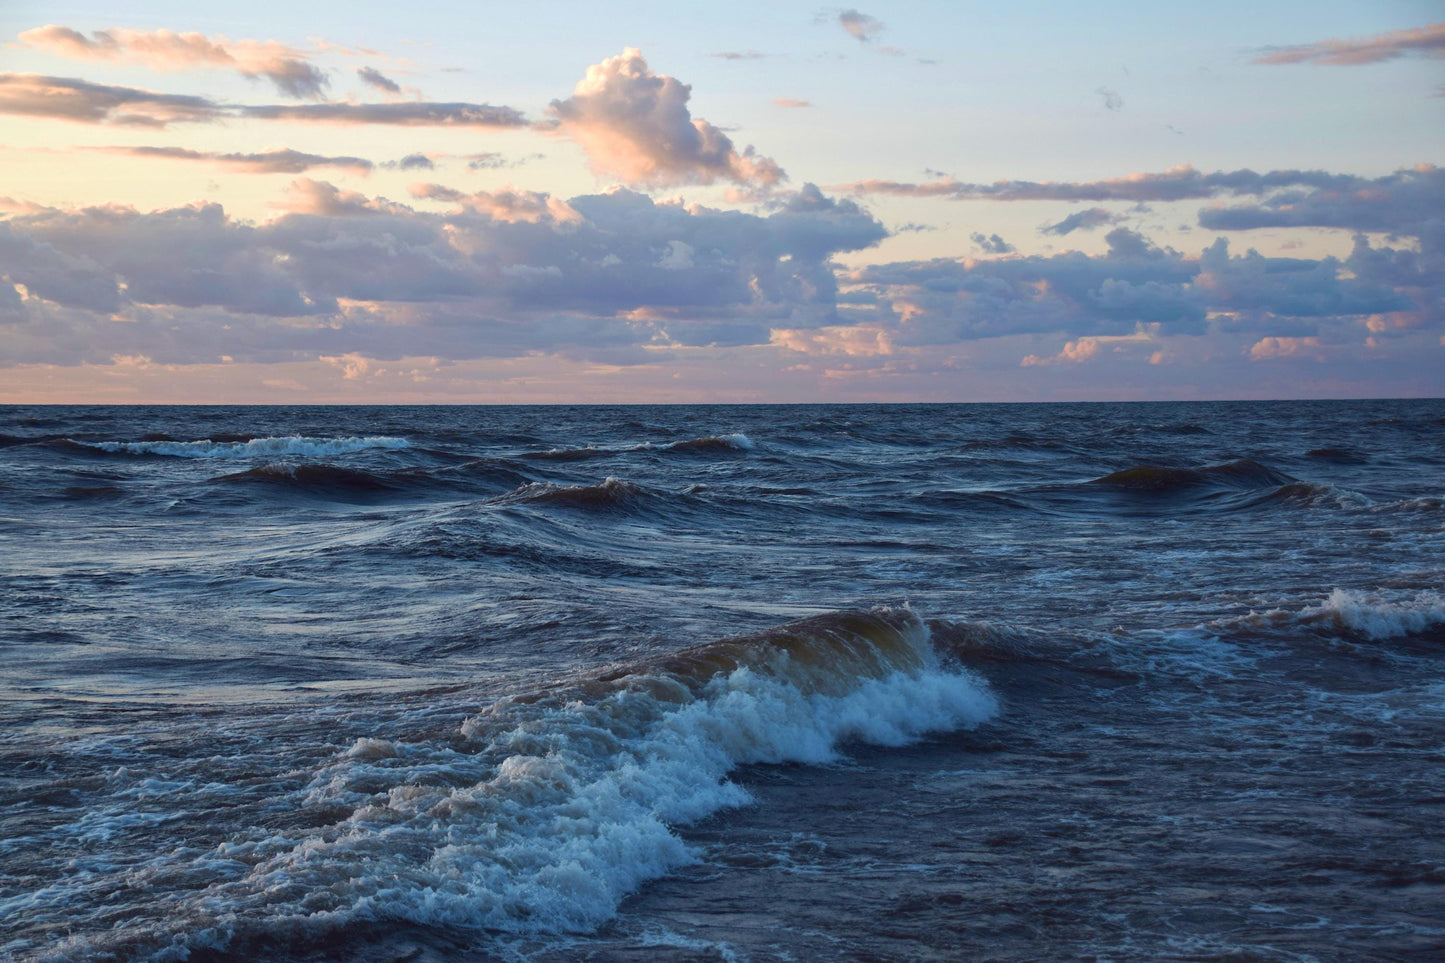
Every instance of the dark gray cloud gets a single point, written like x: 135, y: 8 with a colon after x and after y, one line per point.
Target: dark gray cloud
x: 343, y: 272
x: 64, y: 98
x: 376, y: 79
x: 1138, y: 285
x: 79, y: 101
x: 413, y: 162
x: 1176, y: 184
x: 1426, y: 41
x: 992, y: 243
x: 284, y: 161
x: 860, y: 26
x: 1085, y: 220
x: 1398, y: 203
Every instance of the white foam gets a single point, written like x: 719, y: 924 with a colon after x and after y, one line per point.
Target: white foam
x: 1378, y: 618
x: 551, y: 811
x: 293, y: 445
x: 1374, y: 616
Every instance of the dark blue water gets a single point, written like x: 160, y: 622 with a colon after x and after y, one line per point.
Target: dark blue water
x: 1112, y: 682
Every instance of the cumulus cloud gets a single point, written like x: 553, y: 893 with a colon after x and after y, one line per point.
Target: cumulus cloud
x: 377, y: 80
x: 285, y: 67
x: 1086, y: 220
x: 1400, y: 203
x: 79, y: 101
x: 284, y: 161
x: 1140, y: 286
x: 636, y: 125
x: 503, y: 273
x: 1426, y: 41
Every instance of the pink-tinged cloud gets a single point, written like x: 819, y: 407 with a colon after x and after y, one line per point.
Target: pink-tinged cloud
x: 284, y: 161
x: 286, y: 67
x: 78, y: 101
x: 790, y: 102
x: 505, y: 274
x: 1426, y: 41
x: 63, y: 98
x: 636, y: 125
x: 509, y: 205
x: 1266, y: 349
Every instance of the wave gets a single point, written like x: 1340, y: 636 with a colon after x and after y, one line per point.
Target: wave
x: 710, y: 444
x: 1352, y: 615
x: 544, y: 810
x: 610, y: 494
x: 312, y: 477
x: 241, y: 446
x: 1160, y: 479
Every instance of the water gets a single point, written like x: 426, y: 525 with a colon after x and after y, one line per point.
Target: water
x: 1112, y: 682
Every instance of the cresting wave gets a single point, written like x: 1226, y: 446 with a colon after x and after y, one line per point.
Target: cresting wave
x: 290, y: 445
x: 1352, y: 615
x: 546, y: 809
x: 610, y: 494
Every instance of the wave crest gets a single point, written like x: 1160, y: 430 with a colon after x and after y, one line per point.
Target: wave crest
x: 289, y: 445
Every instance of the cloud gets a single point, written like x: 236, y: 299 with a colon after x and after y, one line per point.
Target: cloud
x: 1176, y: 184
x: 992, y: 243
x: 376, y: 79
x: 60, y: 98
x: 410, y: 114
x: 739, y: 55
x: 1404, y: 202
x: 286, y: 67
x: 412, y: 162
x: 283, y: 161
x: 1139, y: 286
x: 790, y: 102
x: 1110, y: 98
x: 503, y: 274
x: 1426, y: 41
x: 860, y: 26
x: 78, y: 101
x: 1086, y: 220
x: 636, y: 125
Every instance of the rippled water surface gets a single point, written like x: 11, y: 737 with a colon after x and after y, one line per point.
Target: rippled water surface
x: 1112, y: 682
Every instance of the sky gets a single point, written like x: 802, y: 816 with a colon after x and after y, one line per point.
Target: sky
x: 558, y: 202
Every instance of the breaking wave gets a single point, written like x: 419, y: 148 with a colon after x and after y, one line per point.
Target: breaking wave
x: 541, y: 812
x: 1352, y: 614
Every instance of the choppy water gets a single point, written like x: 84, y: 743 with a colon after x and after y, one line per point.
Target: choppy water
x: 1113, y: 682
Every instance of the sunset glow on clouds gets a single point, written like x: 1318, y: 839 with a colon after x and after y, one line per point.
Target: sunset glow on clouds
x: 314, y: 212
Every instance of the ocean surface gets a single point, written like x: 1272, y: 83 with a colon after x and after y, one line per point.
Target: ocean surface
x: 1124, y: 682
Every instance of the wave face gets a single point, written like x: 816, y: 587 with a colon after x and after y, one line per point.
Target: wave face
x: 541, y: 812
x: 893, y: 682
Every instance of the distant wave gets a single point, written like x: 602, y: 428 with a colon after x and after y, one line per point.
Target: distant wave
x: 707, y: 444
x: 610, y: 494
x: 1164, y: 479
x: 313, y: 477
x: 711, y: 443
x: 1352, y: 614
x: 290, y: 445
x: 547, y: 808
